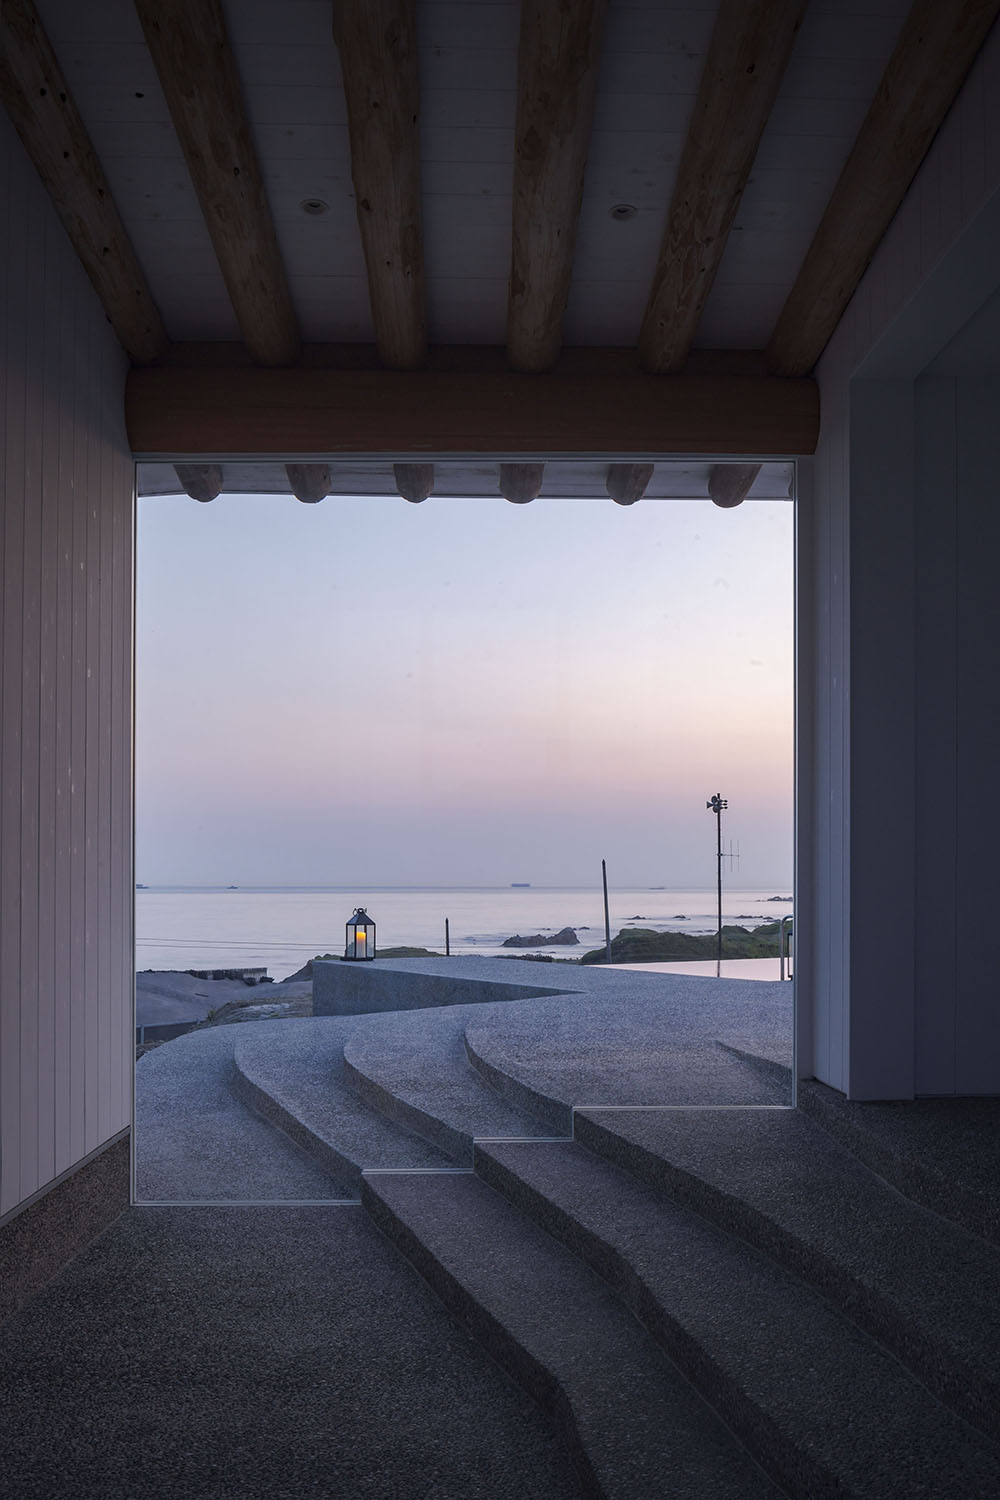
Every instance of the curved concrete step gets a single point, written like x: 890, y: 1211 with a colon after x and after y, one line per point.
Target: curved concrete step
x: 826, y: 1410
x: 412, y: 1067
x: 635, y: 1428
x: 919, y: 1284
x: 653, y: 1047
x: 293, y: 1076
x: 196, y: 1142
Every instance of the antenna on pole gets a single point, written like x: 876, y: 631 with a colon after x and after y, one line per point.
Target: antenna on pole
x: 717, y: 804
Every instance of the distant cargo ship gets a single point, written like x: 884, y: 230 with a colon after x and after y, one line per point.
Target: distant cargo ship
x: 520, y: 885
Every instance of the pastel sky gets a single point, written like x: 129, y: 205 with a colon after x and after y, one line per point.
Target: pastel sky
x: 464, y: 692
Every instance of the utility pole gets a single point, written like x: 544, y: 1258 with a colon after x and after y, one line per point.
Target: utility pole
x: 716, y: 805
x: 607, y: 919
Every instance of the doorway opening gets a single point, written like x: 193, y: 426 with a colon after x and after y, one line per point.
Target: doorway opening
x: 455, y: 716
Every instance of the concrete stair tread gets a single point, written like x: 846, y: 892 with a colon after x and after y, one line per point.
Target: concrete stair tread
x: 197, y: 1142
x: 294, y: 1077
x: 921, y: 1285
x: 656, y: 1047
x: 412, y: 1066
x: 943, y: 1153
x: 825, y: 1409
x: 635, y: 1427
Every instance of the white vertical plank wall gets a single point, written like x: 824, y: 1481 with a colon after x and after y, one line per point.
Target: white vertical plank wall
x: 958, y: 179
x: 65, y: 689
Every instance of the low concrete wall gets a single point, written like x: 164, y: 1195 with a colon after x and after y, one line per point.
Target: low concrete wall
x: 355, y: 989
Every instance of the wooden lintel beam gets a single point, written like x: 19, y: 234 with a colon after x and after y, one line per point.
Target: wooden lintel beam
x: 201, y: 481
x: 197, y: 70
x: 557, y: 66
x: 38, y: 100
x: 378, y: 54
x: 730, y: 484
x: 309, y: 483
x: 626, y: 483
x: 520, y: 483
x: 747, y: 55
x: 936, y: 48
x: 175, y: 412
x: 414, y: 481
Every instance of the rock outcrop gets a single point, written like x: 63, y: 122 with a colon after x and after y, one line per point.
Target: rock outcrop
x: 635, y: 945
x: 565, y: 938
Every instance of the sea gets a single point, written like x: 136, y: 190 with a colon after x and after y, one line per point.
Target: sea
x: 197, y: 927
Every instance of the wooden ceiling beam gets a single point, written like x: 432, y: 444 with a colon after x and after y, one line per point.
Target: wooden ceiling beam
x: 378, y: 54
x: 626, y: 483
x: 936, y: 48
x: 197, y: 69
x: 730, y: 484
x: 42, y: 110
x: 557, y: 67
x: 746, y: 60
x: 414, y: 481
x: 309, y: 483
x: 201, y: 481
x: 520, y: 483
x: 186, y: 412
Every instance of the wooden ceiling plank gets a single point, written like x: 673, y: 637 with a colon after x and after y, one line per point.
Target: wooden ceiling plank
x: 626, y: 483
x: 414, y: 481
x: 42, y: 110
x: 197, y: 69
x: 378, y: 53
x: 751, y: 43
x: 201, y: 481
x: 936, y: 48
x: 730, y: 484
x: 558, y: 61
x: 309, y: 483
x: 186, y: 412
x: 520, y: 483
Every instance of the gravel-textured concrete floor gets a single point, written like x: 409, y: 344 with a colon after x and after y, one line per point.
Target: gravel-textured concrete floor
x: 258, y: 1354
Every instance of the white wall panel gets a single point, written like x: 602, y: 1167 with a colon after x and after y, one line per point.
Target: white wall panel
x: 916, y: 293
x: 65, y: 657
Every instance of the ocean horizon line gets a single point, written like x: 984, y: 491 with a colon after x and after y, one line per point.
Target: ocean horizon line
x: 510, y: 885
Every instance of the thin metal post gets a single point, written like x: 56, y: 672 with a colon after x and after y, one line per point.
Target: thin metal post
x: 607, y: 919
x: 447, y: 939
x: 783, y: 948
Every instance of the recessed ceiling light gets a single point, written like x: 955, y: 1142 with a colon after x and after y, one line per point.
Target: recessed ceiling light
x: 314, y: 206
x: 624, y: 211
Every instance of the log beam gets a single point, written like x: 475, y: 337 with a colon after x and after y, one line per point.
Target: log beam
x: 730, y: 484
x: 176, y: 412
x: 750, y: 47
x: 626, y: 483
x: 378, y: 53
x: 201, y: 481
x: 309, y: 483
x: 195, y: 63
x: 558, y: 58
x: 414, y: 481
x: 936, y: 48
x: 520, y: 483
x: 36, y: 97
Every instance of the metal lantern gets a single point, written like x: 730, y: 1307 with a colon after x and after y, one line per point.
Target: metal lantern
x: 360, y: 936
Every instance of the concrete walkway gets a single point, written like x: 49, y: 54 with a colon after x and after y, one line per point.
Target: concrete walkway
x: 259, y: 1354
